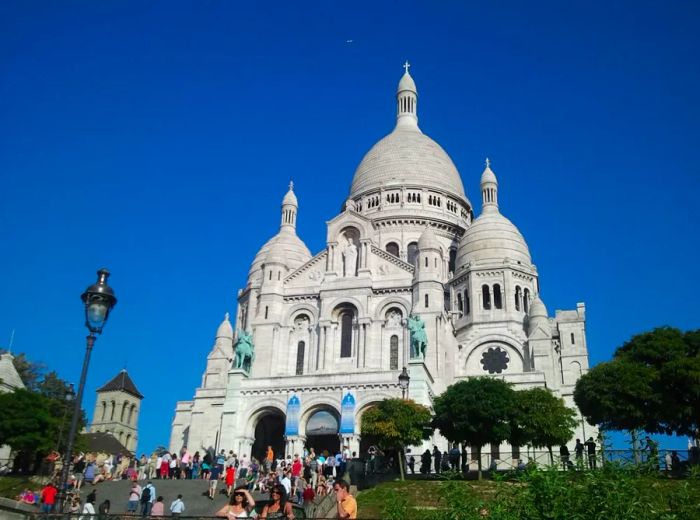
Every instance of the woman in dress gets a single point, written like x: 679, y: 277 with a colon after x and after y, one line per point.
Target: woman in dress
x: 230, y: 478
x: 279, y: 507
x: 240, y: 505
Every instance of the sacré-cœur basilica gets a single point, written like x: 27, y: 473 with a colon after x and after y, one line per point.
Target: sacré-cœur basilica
x: 409, y: 278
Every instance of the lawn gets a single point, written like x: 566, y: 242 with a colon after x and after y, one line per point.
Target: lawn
x: 610, y: 494
x: 10, y: 487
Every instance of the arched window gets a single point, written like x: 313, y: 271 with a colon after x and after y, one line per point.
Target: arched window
x: 394, y: 352
x: 486, y: 296
x: 346, y: 334
x: 131, y: 413
x: 128, y: 438
x: 111, y: 416
x: 518, y: 296
x: 497, y: 296
x: 427, y: 301
x: 412, y: 253
x: 460, y: 304
x: 124, y: 407
x: 426, y: 260
x: 392, y: 248
x: 266, y: 311
x: 453, y: 260
x: 467, y: 303
x: 573, y: 339
x: 526, y: 299
x: 104, y: 410
x: 301, y: 346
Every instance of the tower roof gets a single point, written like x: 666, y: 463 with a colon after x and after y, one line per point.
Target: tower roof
x: 290, y: 198
x: 9, y: 377
x: 121, y: 383
x: 225, y: 330
x: 428, y: 240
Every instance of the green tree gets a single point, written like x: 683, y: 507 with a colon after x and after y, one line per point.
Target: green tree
x: 395, y: 424
x: 27, y: 425
x: 477, y: 411
x: 541, y: 419
x: 651, y: 384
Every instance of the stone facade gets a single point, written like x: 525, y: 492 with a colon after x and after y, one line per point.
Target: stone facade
x: 406, y: 243
x: 117, y: 410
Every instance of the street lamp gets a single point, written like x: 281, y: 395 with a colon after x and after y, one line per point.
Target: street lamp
x: 70, y: 395
x: 99, y: 300
x: 404, y: 380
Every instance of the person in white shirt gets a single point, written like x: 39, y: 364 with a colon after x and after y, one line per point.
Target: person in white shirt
x: 286, y: 483
x: 88, y: 508
x: 178, y: 506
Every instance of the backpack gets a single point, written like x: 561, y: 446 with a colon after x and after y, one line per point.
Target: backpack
x: 146, y: 495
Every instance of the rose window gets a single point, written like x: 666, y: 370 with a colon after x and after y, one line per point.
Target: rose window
x: 495, y: 360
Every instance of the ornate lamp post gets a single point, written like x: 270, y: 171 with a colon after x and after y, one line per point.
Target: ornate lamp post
x: 70, y: 395
x: 99, y: 299
x: 404, y: 380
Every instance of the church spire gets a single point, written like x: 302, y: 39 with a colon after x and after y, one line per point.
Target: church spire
x: 489, y: 189
x: 289, y: 209
x: 407, y: 100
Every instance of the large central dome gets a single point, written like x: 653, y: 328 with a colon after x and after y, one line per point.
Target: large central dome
x: 407, y: 157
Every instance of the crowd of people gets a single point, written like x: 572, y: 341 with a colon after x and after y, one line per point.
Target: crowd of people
x: 297, y: 479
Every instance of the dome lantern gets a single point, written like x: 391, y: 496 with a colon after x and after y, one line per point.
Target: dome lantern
x: 489, y: 189
x: 289, y: 208
x: 407, y: 101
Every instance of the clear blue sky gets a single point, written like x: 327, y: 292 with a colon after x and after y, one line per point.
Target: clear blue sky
x: 157, y: 139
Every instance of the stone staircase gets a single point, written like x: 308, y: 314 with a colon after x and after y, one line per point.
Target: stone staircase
x: 193, y: 492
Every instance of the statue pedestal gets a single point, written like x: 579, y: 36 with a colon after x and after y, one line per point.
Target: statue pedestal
x: 230, y: 412
x: 421, y: 381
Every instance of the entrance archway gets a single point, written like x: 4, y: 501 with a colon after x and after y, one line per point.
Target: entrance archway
x: 322, y: 432
x: 269, y: 432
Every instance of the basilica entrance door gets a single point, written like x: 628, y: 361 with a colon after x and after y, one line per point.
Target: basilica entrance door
x: 322, y: 433
x: 269, y: 432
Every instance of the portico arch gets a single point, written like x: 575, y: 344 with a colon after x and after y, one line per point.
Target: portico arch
x: 320, y: 425
x: 266, y: 426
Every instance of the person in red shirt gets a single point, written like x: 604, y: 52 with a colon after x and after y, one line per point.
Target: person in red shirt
x: 48, y: 498
x: 230, y: 478
x: 308, y: 494
x: 296, y: 467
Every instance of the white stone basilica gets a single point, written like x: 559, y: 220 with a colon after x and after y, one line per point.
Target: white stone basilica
x: 330, y: 331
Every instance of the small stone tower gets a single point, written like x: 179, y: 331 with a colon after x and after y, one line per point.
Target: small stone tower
x: 117, y: 410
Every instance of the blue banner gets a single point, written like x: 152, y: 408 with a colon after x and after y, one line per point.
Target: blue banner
x: 347, y: 414
x: 293, y: 412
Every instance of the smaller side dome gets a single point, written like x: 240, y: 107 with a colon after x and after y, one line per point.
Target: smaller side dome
x: 537, y: 308
x: 537, y: 318
x: 428, y: 240
x: 492, y: 238
x: 225, y: 330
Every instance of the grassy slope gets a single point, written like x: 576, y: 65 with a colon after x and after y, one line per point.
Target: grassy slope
x: 422, y: 494
x: 10, y: 487
x: 419, y: 493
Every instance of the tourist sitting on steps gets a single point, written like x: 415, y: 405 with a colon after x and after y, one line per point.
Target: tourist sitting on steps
x: 279, y: 508
x: 240, y: 506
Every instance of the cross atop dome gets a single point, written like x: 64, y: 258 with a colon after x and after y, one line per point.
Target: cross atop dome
x: 291, y: 185
x: 406, y: 66
x: 487, y: 162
